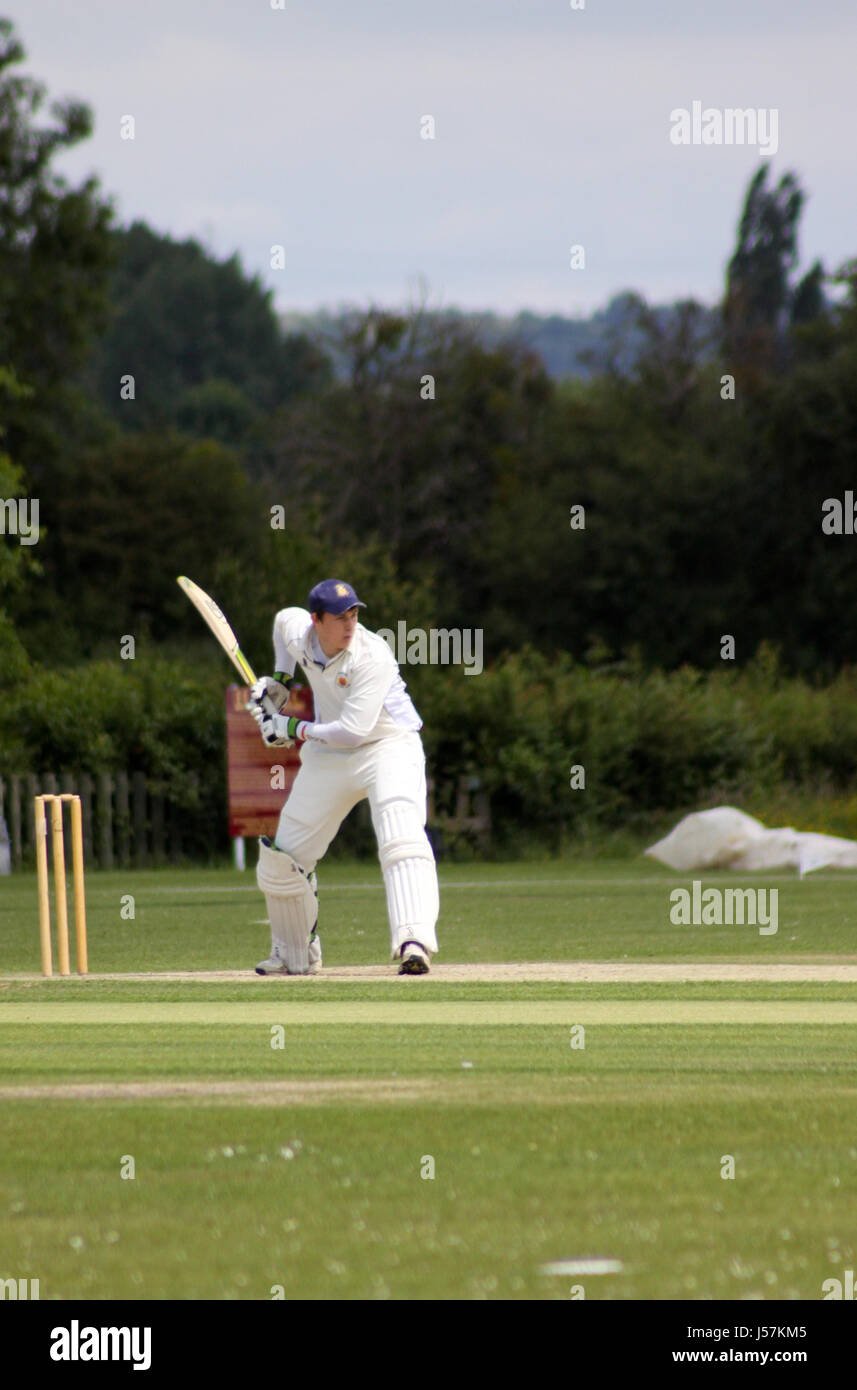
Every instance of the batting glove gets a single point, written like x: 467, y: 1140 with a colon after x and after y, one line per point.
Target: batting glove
x: 276, y: 688
x: 276, y: 730
x: 270, y: 723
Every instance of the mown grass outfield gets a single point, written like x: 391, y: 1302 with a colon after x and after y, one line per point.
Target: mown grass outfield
x: 261, y: 1167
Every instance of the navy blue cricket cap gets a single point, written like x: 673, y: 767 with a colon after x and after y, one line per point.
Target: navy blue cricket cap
x: 333, y: 596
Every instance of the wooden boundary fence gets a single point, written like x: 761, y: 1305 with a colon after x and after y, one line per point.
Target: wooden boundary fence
x: 125, y: 825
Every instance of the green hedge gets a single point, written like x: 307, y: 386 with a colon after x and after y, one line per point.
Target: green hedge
x: 653, y: 745
x: 161, y: 717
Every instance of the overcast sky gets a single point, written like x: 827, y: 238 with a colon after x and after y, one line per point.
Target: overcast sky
x: 301, y: 126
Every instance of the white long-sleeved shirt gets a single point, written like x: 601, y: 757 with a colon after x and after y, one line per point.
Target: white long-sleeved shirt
x: 359, y: 694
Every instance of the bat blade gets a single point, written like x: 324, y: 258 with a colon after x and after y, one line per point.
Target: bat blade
x: 211, y: 614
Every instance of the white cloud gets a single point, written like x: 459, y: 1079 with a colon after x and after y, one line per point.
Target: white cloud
x: 302, y: 127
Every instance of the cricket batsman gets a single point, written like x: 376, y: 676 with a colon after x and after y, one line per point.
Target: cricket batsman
x: 364, y: 742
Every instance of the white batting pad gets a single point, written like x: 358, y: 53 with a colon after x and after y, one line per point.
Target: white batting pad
x: 410, y: 876
x: 292, y: 906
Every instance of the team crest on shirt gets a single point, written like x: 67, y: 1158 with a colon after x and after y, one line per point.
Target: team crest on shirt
x: 341, y: 680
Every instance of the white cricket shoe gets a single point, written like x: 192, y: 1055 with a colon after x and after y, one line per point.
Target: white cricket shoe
x: 272, y: 966
x: 275, y: 966
x: 414, y: 959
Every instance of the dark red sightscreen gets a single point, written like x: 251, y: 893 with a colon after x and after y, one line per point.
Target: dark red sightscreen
x: 254, y: 804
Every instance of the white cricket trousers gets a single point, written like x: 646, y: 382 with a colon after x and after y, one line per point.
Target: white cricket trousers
x: 391, y: 773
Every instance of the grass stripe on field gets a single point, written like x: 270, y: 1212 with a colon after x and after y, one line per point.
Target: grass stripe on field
x: 476, y: 1012
x: 723, y: 879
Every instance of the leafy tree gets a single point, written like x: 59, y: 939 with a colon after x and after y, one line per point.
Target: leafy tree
x: 16, y: 561
x: 804, y: 430
x: 808, y: 300
x: 183, y: 324
x: 215, y: 410
x: 144, y: 509
x: 760, y: 300
x: 54, y: 258
x: 384, y: 459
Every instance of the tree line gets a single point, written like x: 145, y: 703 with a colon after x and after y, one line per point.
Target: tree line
x: 151, y: 402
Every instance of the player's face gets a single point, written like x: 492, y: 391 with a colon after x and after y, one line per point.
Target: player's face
x: 335, y: 630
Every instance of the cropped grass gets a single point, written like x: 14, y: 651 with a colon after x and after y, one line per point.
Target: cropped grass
x: 283, y: 1146
x: 540, y: 1153
x: 607, y: 910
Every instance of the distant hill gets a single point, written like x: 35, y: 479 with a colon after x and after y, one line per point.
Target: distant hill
x: 569, y: 347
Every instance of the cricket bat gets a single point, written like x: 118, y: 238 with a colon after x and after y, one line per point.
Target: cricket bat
x: 210, y: 612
